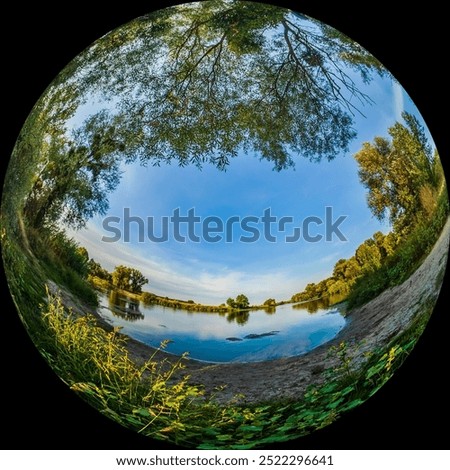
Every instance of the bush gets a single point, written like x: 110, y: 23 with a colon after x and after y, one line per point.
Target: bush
x: 68, y: 252
x: 61, y: 260
x: 404, y: 261
x: 96, y: 365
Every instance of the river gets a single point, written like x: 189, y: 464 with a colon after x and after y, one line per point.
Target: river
x: 257, y: 335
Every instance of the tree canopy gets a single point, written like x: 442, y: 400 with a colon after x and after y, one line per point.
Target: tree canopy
x: 211, y: 78
x: 399, y: 172
x: 191, y: 84
x: 77, y: 175
x: 97, y: 270
x: 129, y: 279
x: 241, y: 302
x: 405, y: 179
x: 368, y: 257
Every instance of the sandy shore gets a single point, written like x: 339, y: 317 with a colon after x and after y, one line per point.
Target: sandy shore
x: 369, y: 326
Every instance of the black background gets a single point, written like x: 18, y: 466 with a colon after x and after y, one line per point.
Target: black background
x: 39, y: 411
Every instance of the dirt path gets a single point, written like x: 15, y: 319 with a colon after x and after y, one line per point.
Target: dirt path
x: 370, y: 326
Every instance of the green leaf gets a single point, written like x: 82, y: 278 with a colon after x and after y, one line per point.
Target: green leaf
x: 352, y: 404
x: 249, y: 445
x: 347, y: 390
x: 275, y: 418
x: 374, y: 370
x: 331, y: 387
x: 247, y: 427
x: 335, y: 404
x: 142, y: 412
x: 224, y: 437
x: 130, y: 419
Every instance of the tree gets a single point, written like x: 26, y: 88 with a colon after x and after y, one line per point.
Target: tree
x: 242, y: 301
x: 228, y: 69
x: 129, y: 279
x: 368, y: 256
x: 340, y: 268
x: 396, y: 172
x: 219, y: 77
x: 386, y: 243
x: 76, y: 175
x: 270, y: 302
x: 82, y: 251
x: 96, y: 270
x: 230, y: 302
x: 352, y: 269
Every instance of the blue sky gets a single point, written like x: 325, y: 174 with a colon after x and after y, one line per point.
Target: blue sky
x: 211, y: 272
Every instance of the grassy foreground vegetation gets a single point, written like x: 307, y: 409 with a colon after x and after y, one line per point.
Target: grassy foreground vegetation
x: 156, y: 400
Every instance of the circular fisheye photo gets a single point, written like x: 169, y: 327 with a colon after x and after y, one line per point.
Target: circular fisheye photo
x: 224, y: 225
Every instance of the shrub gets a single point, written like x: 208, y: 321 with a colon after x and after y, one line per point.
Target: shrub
x: 96, y: 365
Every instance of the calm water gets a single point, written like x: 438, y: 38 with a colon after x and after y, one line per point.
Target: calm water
x: 254, y: 336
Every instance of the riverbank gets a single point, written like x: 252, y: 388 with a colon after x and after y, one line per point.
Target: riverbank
x: 149, y: 298
x: 371, y: 326
x: 374, y: 325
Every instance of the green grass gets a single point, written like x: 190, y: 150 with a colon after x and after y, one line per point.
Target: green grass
x: 96, y: 365
x: 156, y: 399
x: 26, y: 281
x: 59, y: 261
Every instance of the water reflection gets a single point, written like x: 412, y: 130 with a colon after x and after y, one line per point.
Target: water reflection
x: 313, y: 306
x: 270, y: 310
x: 242, y: 336
x: 240, y: 317
x: 129, y: 308
x: 124, y: 307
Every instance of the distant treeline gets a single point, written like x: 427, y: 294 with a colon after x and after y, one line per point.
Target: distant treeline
x: 369, y: 256
x: 122, y: 277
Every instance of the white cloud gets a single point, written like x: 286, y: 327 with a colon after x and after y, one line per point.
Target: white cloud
x: 211, y: 283
x: 399, y: 102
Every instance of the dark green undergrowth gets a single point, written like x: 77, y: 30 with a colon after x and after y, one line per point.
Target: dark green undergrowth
x: 60, y: 261
x: 26, y: 281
